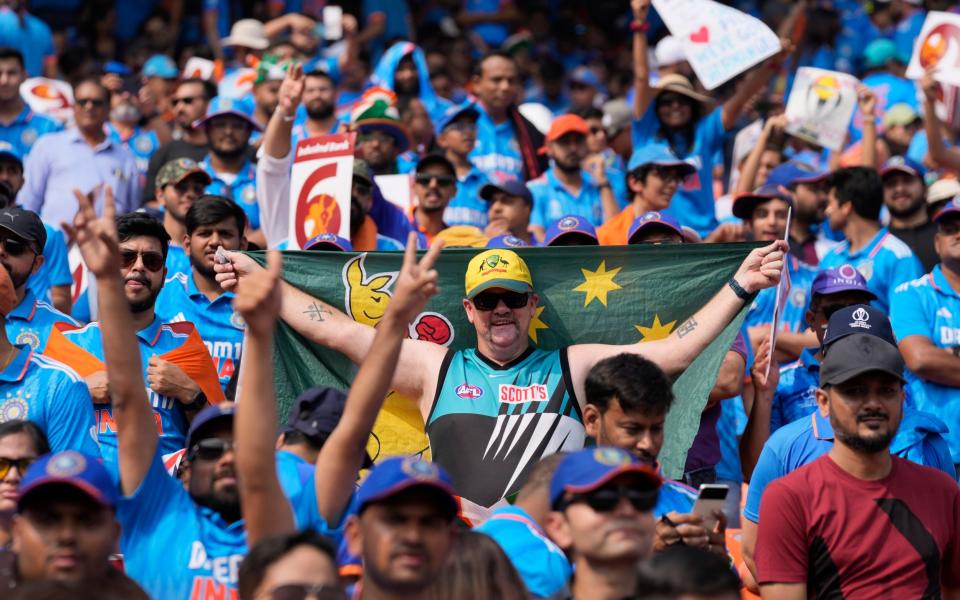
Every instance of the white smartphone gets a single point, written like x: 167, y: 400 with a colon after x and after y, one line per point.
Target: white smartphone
x: 332, y: 22
x: 710, y: 498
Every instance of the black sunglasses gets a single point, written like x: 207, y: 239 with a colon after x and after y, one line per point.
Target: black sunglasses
x: 94, y: 102
x: 210, y: 449
x: 187, y: 100
x: 442, y: 180
x: 301, y: 591
x: 15, y: 247
x: 20, y: 463
x: 489, y: 300
x: 152, y: 261
x: 606, y: 499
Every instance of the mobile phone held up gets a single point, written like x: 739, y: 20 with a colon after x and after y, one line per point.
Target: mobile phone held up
x: 710, y: 498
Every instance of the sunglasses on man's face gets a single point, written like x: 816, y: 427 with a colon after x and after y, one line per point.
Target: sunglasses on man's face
x: 606, y: 499
x: 302, y: 591
x: 152, y: 261
x: 15, y: 247
x: 442, y: 180
x: 210, y: 449
x: 489, y: 300
x: 186, y: 100
x: 20, y: 463
x: 92, y: 102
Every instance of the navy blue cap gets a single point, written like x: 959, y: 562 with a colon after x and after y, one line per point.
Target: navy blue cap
x: 328, y: 241
x: 317, y: 411
x: 454, y: 113
x: 903, y: 164
x: 511, y: 188
x: 951, y: 208
x: 793, y: 172
x: 845, y: 278
x: 658, y: 154
x: 8, y: 149
x: 571, y: 225
x: 859, y: 339
x: 69, y: 468
x: 435, y: 158
x: 400, y: 473
x: 744, y: 203
x: 588, y: 469
x: 214, y: 412
x: 506, y: 241
x: 651, y: 219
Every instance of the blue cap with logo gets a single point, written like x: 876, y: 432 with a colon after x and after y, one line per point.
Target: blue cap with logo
x: 455, y: 113
x: 903, y: 164
x: 653, y: 219
x: 859, y: 318
x: 859, y: 339
x: 506, y: 241
x: 743, y: 204
x: 328, y: 241
x: 510, y: 188
x: 591, y: 468
x: 208, y: 415
x: 8, y: 149
x: 400, y: 473
x: 571, y: 225
x: 793, y: 172
x: 660, y: 155
x: 161, y: 65
x: 845, y: 278
x: 221, y: 106
x: 951, y: 208
x: 69, y: 468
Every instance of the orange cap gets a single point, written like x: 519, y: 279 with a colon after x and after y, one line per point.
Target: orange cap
x: 565, y: 124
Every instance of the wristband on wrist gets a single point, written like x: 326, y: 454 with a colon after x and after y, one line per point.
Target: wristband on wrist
x: 198, y: 401
x: 638, y: 26
x: 739, y: 291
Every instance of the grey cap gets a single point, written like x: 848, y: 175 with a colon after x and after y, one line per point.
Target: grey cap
x: 860, y: 353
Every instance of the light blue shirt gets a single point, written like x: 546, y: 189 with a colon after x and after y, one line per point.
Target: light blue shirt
x: 60, y: 162
x: 467, y: 207
x: 177, y: 261
x: 52, y: 395
x: 693, y: 204
x: 243, y: 190
x: 155, y: 339
x: 885, y: 263
x: 929, y: 307
x: 497, y: 151
x: 795, y: 396
x: 674, y: 497
x: 32, y: 38
x: 552, y: 200
x: 26, y: 128
x: 218, y: 324
x: 142, y: 144
x: 55, y: 269
x: 31, y: 321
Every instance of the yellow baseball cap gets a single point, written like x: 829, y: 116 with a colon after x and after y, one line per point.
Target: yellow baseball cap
x: 497, y: 268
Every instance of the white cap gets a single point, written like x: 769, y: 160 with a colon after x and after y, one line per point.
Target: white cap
x: 538, y: 114
x: 942, y: 189
x: 248, y: 33
x: 669, y: 52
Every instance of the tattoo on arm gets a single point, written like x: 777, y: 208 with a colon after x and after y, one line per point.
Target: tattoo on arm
x: 688, y: 326
x: 315, y: 312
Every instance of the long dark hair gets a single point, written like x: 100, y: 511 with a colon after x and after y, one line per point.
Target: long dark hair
x: 687, y: 132
x: 477, y: 570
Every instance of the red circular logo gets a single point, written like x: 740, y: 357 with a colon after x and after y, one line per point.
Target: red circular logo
x: 433, y: 328
x: 942, y: 42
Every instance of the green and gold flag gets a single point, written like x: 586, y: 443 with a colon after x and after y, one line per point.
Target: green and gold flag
x: 613, y: 295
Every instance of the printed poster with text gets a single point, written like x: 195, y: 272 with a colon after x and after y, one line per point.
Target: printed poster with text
x: 720, y: 42
x: 320, y: 184
x: 938, y: 45
x: 821, y: 105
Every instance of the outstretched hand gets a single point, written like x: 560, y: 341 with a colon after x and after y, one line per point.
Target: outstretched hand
x: 96, y: 237
x: 259, y: 297
x: 762, y: 267
x: 417, y: 282
x: 291, y: 90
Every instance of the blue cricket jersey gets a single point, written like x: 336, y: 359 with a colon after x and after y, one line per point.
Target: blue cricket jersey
x: 929, y: 307
x: 177, y: 261
x: 218, y: 324
x: 55, y: 269
x: 242, y: 189
x: 142, y: 144
x: 885, y: 262
x: 497, y: 151
x: 51, y: 394
x: 795, y: 396
x: 552, y: 200
x: 26, y: 128
x: 792, y: 314
x: 467, y: 207
x: 674, y: 497
x: 31, y: 321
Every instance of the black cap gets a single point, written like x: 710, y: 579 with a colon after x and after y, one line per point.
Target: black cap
x: 25, y: 224
x: 316, y: 413
x: 436, y: 159
x: 859, y: 339
x: 510, y: 188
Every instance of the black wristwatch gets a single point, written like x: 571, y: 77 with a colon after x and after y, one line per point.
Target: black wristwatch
x: 740, y: 292
x: 198, y: 401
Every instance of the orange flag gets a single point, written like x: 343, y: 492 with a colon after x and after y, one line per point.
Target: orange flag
x: 192, y: 357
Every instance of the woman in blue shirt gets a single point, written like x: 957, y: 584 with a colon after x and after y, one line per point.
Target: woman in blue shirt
x: 673, y: 113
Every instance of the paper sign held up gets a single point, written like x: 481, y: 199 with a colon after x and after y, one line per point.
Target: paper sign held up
x: 719, y: 42
x: 320, y: 185
x: 821, y: 105
x: 938, y: 45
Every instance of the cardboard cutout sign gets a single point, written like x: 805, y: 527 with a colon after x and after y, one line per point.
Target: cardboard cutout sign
x: 320, y: 186
x: 783, y: 289
x: 938, y: 45
x: 821, y: 105
x: 237, y: 84
x: 198, y: 68
x: 396, y: 189
x: 720, y: 42
x: 50, y: 97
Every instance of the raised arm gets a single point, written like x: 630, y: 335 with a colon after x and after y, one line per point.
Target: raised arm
x: 266, y: 510
x: 136, y: 429
x: 748, y: 174
x: 761, y: 269
x: 868, y: 108
x: 323, y: 324
x: 342, y: 453
x: 946, y: 158
x: 276, y: 138
x: 641, y: 67
x: 754, y: 81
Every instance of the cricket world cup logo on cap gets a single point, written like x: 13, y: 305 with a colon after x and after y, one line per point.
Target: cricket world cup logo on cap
x: 611, y: 456
x: 650, y: 216
x: 568, y: 223
x: 419, y: 469
x: 847, y: 272
x: 66, y: 464
x: 860, y: 318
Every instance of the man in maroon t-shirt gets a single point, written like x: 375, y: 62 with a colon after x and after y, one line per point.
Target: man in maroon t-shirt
x: 858, y: 522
